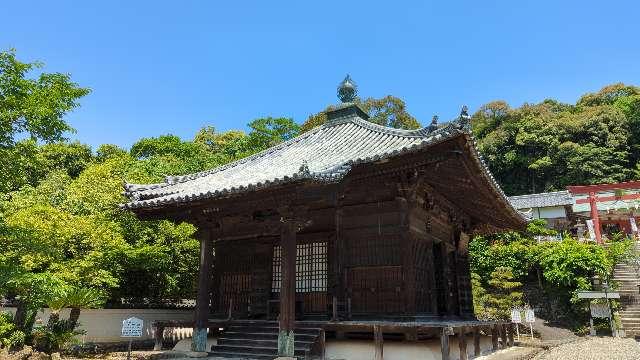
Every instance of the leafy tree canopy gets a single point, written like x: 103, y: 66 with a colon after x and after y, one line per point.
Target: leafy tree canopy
x: 547, y: 146
x: 387, y: 111
x: 34, y: 106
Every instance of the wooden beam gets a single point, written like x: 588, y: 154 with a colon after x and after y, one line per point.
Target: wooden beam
x: 379, y: 343
x: 476, y: 341
x: 199, y: 339
x: 288, y: 289
x: 585, y: 189
x: 444, y: 343
x: 462, y: 343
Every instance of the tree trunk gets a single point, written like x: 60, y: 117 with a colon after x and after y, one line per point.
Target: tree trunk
x: 54, y: 317
x: 21, y: 315
x: 73, y: 318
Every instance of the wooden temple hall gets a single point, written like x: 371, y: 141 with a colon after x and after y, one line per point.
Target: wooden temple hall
x: 350, y: 229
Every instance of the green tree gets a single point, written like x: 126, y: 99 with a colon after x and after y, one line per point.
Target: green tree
x: 547, y: 146
x: 503, y: 294
x: 34, y: 106
x: 387, y: 111
x: 268, y: 132
x: 108, y: 151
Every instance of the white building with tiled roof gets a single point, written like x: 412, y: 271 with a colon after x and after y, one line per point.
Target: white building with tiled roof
x: 554, y: 207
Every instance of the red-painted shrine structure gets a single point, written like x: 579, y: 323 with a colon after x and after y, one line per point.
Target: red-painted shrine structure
x: 593, y: 195
x: 351, y: 226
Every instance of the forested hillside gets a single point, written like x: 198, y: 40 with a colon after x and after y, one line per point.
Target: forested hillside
x: 547, y: 146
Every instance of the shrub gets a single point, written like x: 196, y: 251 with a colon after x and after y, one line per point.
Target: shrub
x: 54, y: 337
x: 10, y: 337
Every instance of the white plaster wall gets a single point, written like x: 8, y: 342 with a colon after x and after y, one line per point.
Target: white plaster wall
x: 104, y: 325
x: 399, y: 350
x: 552, y: 212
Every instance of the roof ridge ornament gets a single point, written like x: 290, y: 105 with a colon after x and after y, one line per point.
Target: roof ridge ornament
x: 434, y: 123
x: 464, y: 112
x: 464, y: 120
x: 347, y: 90
x: 304, y: 169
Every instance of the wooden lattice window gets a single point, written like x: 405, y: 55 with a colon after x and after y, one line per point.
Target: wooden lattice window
x: 276, y: 270
x: 311, y: 268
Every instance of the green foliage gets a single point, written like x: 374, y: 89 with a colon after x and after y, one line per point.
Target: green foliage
x: 10, y: 336
x: 54, y: 337
x: 34, y: 106
x: 547, y: 146
x: 59, y: 333
x: 387, y: 111
x: 502, y: 295
x: 553, y: 271
x: 267, y: 132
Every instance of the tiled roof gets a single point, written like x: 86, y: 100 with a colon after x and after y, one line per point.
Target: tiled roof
x: 556, y: 198
x: 325, y: 154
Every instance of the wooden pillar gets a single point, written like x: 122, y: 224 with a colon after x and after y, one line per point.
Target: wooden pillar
x: 408, y: 290
x: 503, y: 335
x: 593, y: 204
x: 494, y: 337
x: 462, y: 343
x: 476, y: 341
x: 288, y: 289
x: 431, y: 276
x: 199, y: 338
x: 444, y: 343
x: 465, y: 296
x: 323, y: 344
x: 337, y: 285
x: 379, y: 343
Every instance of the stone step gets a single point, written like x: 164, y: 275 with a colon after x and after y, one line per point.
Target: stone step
x: 263, y: 335
x: 259, y: 340
x: 274, y: 330
x: 262, y: 343
x: 245, y: 356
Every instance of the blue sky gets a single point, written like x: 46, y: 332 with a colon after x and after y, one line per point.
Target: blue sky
x: 172, y: 67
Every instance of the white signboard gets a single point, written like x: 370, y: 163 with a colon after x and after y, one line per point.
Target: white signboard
x: 634, y: 226
x: 515, y: 316
x: 132, y: 327
x: 600, y: 311
x: 529, y: 316
x: 592, y: 232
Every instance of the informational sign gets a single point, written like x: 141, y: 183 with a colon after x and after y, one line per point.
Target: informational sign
x: 592, y: 232
x: 515, y: 316
x: 132, y: 327
x: 529, y: 316
x: 634, y: 226
x: 600, y: 311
